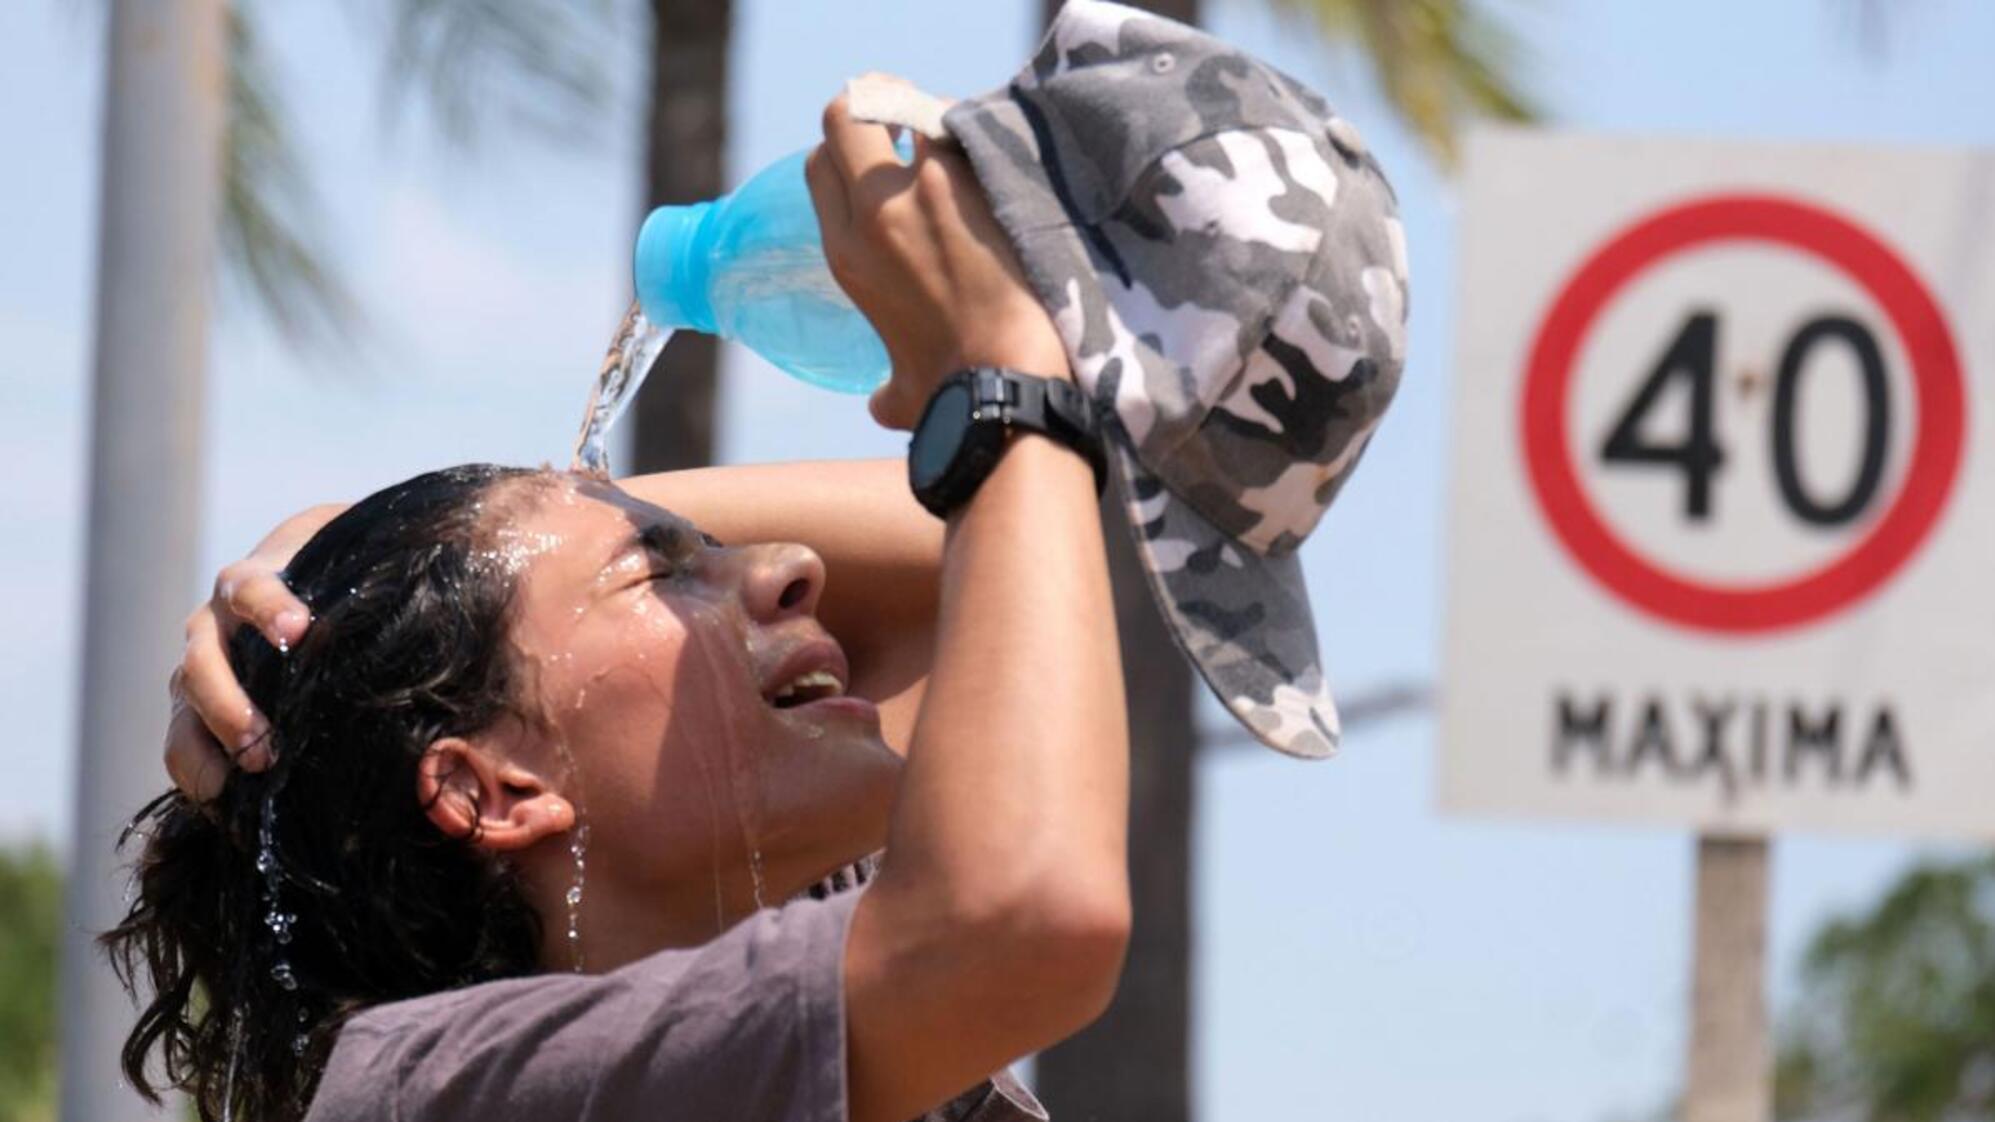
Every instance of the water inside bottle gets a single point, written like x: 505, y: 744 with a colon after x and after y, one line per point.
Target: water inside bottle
x: 632, y: 352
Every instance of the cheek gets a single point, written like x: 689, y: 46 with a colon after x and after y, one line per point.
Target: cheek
x: 666, y: 722
x: 712, y: 674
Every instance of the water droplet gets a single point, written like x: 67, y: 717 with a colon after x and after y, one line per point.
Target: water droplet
x: 275, y: 917
x: 578, y: 848
x: 755, y: 877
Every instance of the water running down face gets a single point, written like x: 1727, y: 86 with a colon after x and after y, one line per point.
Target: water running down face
x: 684, y: 699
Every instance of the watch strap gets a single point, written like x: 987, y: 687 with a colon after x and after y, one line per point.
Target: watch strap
x: 1014, y: 402
x: 1052, y: 407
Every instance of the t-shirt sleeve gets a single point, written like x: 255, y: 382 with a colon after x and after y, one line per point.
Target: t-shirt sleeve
x: 749, y: 1026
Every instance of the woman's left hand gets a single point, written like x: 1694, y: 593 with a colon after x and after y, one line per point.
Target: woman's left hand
x: 917, y: 249
x: 214, y: 724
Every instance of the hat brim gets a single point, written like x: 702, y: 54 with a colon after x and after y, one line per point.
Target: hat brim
x: 1243, y: 619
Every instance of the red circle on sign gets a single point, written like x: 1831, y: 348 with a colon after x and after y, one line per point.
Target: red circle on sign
x: 1857, y: 571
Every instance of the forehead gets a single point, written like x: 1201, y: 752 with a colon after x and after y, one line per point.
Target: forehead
x: 572, y: 525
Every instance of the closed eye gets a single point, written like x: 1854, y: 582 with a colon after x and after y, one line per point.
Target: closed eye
x: 670, y: 550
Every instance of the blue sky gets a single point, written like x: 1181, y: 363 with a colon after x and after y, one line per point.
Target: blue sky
x: 1359, y: 956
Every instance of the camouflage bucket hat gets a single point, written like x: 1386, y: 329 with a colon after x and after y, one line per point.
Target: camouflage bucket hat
x: 1223, y: 260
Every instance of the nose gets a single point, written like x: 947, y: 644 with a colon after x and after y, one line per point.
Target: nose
x: 779, y: 581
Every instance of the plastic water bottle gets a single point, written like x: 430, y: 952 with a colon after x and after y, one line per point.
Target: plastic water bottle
x: 750, y: 267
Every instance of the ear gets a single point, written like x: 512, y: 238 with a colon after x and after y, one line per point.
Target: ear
x: 471, y: 791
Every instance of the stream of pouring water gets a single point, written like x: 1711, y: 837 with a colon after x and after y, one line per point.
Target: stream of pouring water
x: 632, y: 351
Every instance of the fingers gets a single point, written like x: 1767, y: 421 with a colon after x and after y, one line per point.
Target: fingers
x: 194, y: 761
x: 828, y: 197
x: 893, y: 405
x: 217, y: 700
x: 215, y: 726
x: 255, y: 594
x: 862, y: 154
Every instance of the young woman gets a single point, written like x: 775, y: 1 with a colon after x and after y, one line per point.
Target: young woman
x: 519, y: 808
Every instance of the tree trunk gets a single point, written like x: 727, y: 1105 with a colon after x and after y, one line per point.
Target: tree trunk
x: 1135, y: 1062
x: 672, y: 419
x: 160, y: 199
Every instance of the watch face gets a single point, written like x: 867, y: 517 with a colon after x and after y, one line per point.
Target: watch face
x: 939, y: 435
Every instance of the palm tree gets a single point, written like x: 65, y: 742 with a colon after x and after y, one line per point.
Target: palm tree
x: 536, y: 60
x: 686, y: 139
x: 1440, y: 63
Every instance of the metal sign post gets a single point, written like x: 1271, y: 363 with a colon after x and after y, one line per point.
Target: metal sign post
x: 1728, y: 1073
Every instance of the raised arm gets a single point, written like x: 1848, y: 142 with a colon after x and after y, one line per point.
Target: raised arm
x: 882, y: 552
x: 998, y: 922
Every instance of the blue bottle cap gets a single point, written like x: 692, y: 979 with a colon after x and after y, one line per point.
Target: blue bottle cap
x: 672, y: 268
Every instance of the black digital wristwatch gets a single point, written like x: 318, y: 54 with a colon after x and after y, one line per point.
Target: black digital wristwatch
x: 970, y: 420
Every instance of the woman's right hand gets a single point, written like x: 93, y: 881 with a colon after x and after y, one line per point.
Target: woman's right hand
x: 918, y: 250
x: 214, y: 723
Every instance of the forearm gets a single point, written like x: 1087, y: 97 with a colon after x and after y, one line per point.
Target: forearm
x: 1020, y: 757
x: 998, y: 922
x: 1005, y: 890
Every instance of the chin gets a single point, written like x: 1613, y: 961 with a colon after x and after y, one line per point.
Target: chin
x: 829, y: 799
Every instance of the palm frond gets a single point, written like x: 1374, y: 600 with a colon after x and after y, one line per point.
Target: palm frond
x: 544, y: 64
x: 268, y: 206
x: 1439, y: 62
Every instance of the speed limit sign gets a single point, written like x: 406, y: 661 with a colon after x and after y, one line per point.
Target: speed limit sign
x: 1723, y: 537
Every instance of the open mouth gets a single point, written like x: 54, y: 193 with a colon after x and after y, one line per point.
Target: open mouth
x: 806, y: 688
x: 812, y: 672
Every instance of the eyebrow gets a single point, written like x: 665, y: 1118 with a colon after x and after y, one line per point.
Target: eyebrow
x: 665, y: 541
x: 654, y: 538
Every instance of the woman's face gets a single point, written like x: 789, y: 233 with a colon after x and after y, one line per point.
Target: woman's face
x: 691, y: 692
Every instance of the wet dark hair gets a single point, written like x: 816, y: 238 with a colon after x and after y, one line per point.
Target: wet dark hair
x: 246, y: 987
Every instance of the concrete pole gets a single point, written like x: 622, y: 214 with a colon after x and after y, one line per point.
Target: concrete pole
x: 1730, y: 1069
x: 163, y: 113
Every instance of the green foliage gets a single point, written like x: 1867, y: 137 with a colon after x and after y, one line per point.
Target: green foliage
x: 538, y: 62
x: 541, y: 63
x: 269, y: 209
x: 30, y: 918
x: 1899, y: 1022
x: 1439, y: 62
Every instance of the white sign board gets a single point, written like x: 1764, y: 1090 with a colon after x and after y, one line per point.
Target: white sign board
x: 1722, y: 542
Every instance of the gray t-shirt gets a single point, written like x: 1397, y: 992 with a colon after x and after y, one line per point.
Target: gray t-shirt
x: 750, y: 1026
